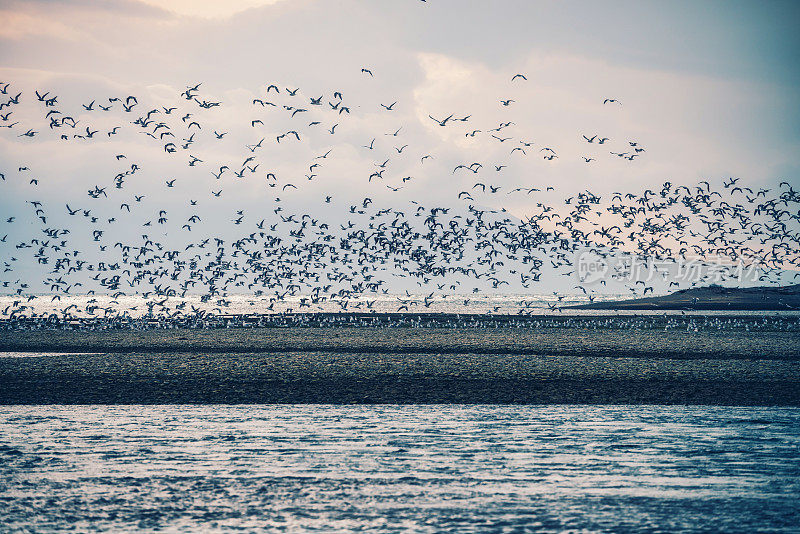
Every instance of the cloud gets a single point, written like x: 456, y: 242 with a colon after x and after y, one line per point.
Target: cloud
x: 73, y: 20
x: 208, y: 9
x: 19, y: 24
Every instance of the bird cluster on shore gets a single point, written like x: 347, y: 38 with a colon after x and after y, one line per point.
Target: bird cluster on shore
x: 121, y: 239
x: 646, y: 322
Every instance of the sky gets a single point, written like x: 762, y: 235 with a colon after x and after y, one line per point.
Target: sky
x: 709, y: 90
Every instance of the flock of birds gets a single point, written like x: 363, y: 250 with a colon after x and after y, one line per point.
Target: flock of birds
x: 120, y: 239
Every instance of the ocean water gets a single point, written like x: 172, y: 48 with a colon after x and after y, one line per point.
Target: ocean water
x: 399, y: 469
x: 136, y: 305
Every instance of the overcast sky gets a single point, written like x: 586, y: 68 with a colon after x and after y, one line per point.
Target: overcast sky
x: 709, y: 89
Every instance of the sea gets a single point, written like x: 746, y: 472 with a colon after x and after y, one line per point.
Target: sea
x: 137, y: 306
x: 388, y: 468
x: 238, y: 304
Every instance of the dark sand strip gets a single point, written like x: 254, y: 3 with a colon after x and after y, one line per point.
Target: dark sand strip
x: 344, y: 378
x: 404, y: 365
x: 566, y: 341
x: 394, y: 390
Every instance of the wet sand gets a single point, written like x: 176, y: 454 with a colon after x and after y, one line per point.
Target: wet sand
x: 403, y: 365
x: 579, y: 340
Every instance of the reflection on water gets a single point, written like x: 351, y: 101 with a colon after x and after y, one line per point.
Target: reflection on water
x: 399, y: 468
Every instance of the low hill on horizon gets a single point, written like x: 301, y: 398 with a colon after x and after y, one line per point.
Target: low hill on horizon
x: 713, y: 297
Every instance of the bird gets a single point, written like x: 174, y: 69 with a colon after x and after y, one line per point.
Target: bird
x: 442, y: 122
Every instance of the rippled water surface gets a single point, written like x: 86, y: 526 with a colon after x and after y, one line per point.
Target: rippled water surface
x: 399, y: 468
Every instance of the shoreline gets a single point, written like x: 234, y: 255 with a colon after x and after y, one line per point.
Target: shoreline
x: 579, y: 340
x: 408, y: 391
x: 377, y: 365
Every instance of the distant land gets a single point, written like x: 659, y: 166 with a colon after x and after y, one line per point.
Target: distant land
x: 713, y: 297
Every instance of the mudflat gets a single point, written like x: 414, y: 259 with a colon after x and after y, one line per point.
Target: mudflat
x: 573, y: 365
